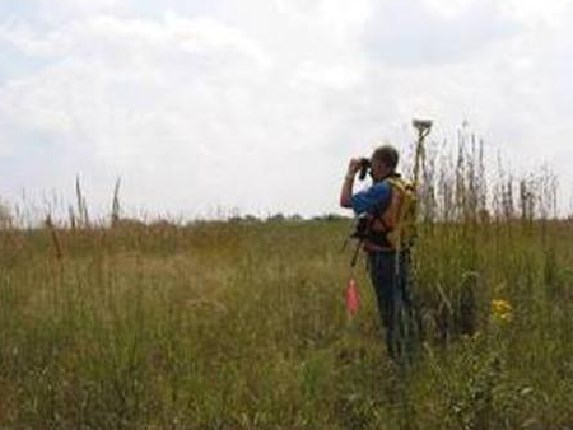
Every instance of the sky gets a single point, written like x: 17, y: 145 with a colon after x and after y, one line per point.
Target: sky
x: 255, y: 106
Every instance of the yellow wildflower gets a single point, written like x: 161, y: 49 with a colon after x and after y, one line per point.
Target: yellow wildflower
x: 501, y: 309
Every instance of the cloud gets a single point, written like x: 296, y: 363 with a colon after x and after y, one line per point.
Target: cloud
x: 421, y: 32
x: 259, y: 105
x: 189, y: 101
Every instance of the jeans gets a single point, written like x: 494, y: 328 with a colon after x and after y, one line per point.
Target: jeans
x: 391, y: 284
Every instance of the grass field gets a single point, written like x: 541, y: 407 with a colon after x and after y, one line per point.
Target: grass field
x: 242, y: 325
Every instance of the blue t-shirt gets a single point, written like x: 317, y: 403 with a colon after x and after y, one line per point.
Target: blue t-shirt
x: 377, y: 195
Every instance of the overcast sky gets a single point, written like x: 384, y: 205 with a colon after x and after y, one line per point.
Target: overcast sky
x: 258, y: 104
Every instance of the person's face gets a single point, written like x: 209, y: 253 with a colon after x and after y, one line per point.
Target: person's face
x: 379, y: 170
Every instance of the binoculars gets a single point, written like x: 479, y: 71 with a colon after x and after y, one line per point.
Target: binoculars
x: 365, y: 166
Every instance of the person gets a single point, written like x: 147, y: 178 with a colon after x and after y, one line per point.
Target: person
x: 388, y: 254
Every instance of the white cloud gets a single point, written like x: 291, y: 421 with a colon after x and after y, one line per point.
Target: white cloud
x: 64, y: 11
x: 259, y: 106
x: 448, y: 9
x: 187, y: 98
x: 412, y: 34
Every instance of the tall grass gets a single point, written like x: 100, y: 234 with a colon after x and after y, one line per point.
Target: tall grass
x: 227, y: 325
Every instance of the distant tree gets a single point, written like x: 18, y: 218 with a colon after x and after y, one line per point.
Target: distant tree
x: 251, y: 218
x: 277, y: 217
x: 235, y: 219
x: 5, y: 216
x: 329, y: 217
x: 129, y: 223
x: 246, y: 219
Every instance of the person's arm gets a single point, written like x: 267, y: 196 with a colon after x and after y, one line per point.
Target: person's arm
x: 378, y: 195
x: 348, y: 184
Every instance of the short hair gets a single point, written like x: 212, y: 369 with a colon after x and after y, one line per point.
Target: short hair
x: 388, y: 155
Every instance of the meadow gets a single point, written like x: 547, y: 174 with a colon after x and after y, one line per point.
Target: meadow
x: 241, y: 324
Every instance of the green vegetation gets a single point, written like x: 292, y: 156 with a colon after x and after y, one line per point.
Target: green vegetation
x: 242, y: 325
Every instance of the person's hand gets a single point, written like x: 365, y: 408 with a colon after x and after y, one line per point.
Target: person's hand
x: 354, y: 166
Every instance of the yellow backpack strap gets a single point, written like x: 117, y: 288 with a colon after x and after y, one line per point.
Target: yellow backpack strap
x: 397, y: 183
x: 404, y: 229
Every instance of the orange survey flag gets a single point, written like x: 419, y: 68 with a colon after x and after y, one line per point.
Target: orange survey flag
x: 352, y: 297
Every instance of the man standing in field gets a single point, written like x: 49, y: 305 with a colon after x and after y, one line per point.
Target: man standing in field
x: 384, y: 210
